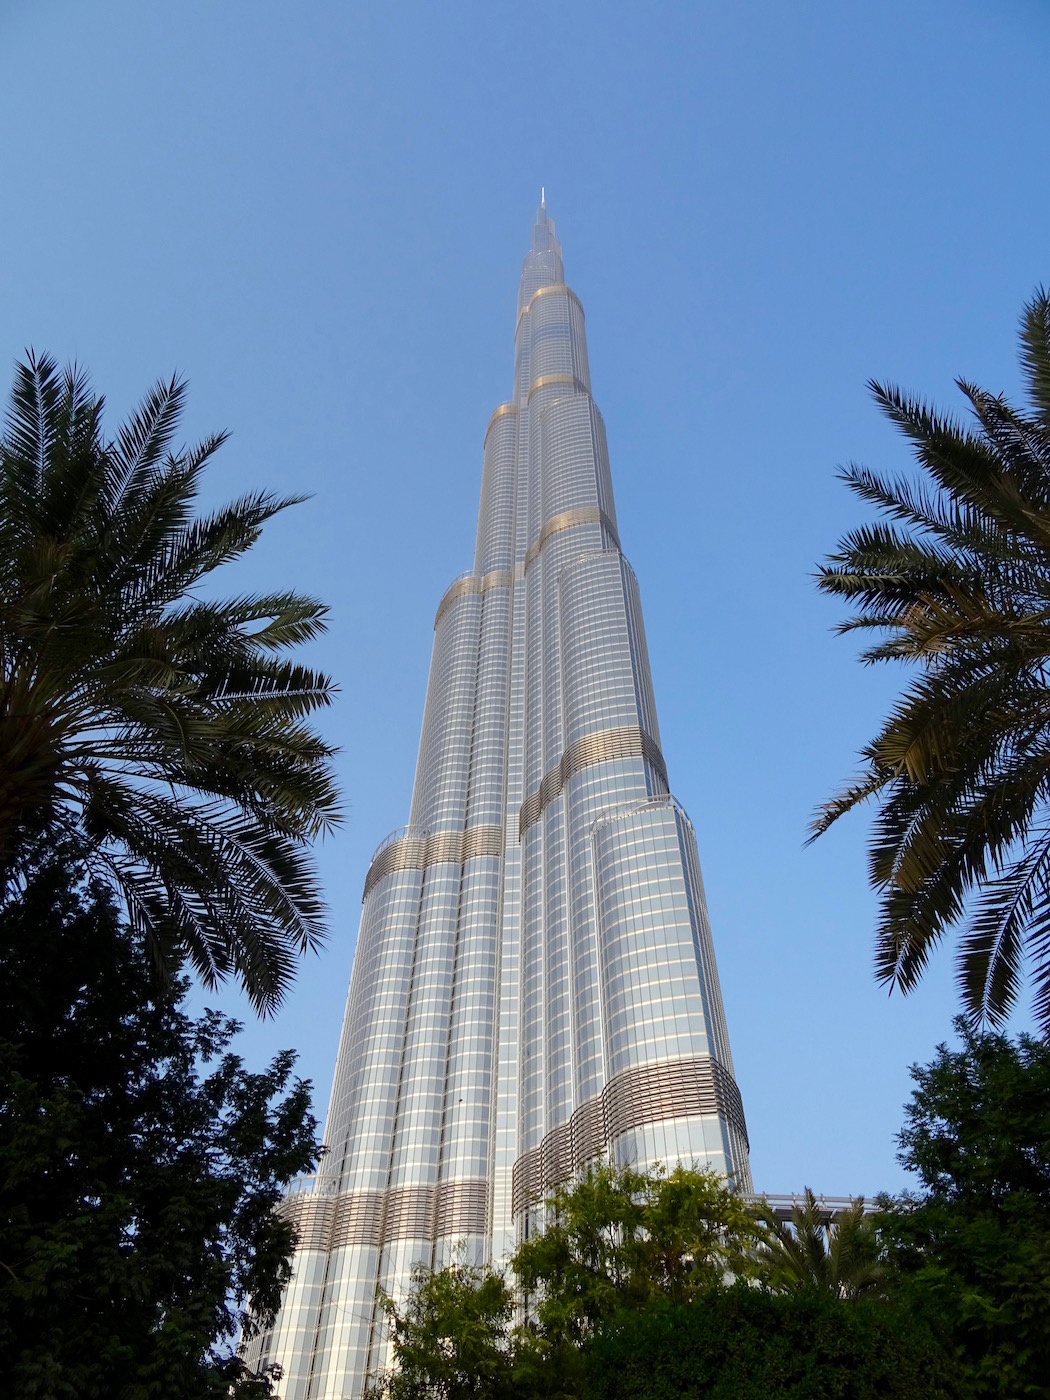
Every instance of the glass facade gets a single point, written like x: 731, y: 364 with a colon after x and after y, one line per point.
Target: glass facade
x: 534, y: 981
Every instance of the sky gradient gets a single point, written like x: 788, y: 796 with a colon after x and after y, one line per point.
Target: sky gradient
x: 318, y: 213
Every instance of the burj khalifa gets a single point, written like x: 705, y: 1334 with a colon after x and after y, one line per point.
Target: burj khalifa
x: 534, y: 983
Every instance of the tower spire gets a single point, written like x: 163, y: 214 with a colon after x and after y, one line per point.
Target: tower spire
x: 542, y: 263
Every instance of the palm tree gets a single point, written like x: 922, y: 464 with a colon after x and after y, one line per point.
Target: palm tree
x: 838, y: 1254
x: 160, y: 726
x: 957, y: 583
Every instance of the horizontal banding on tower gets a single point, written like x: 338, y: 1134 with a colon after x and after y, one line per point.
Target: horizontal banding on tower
x: 547, y: 381
x: 326, y: 1222
x: 567, y: 520
x: 622, y: 741
x: 501, y: 412
x: 439, y: 848
x: 701, y: 1086
x: 498, y: 578
x: 546, y: 291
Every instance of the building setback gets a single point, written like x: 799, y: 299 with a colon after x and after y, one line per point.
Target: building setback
x: 534, y: 982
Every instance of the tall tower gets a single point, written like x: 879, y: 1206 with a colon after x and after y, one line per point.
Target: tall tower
x: 534, y: 982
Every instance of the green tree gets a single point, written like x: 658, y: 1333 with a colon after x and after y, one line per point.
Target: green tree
x: 956, y: 582
x: 974, y: 1247
x: 618, y: 1239
x: 842, y: 1255
x: 742, y: 1343
x: 452, y: 1340
x: 627, y: 1296
x: 163, y: 727
x: 614, y: 1240
x: 140, y: 1164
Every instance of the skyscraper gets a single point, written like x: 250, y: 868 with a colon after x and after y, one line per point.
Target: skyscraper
x: 534, y: 982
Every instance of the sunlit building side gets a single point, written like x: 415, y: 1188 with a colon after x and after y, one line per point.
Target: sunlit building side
x: 534, y: 982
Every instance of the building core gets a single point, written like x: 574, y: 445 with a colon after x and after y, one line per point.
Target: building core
x: 534, y: 983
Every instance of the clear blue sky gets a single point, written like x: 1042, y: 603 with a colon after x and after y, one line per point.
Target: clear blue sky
x: 317, y: 212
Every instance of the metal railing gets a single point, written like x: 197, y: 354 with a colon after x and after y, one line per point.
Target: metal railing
x: 829, y: 1206
x: 780, y: 1204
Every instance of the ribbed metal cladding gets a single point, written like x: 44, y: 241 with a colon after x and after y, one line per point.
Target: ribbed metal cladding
x: 534, y: 980
x: 501, y: 412
x: 625, y: 741
x: 471, y: 585
x: 358, y: 1218
x: 561, y: 381
x: 552, y: 289
x: 567, y: 520
x: 312, y: 1218
x: 374, y: 1218
x: 634, y: 1099
x: 436, y: 848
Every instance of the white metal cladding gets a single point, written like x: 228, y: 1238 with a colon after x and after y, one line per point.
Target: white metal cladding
x: 534, y: 981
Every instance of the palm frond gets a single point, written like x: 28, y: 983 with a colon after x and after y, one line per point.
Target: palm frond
x: 1035, y: 353
x: 163, y: 555
x: 69, y: 489
x: 858, y: 791
x: 955, y: 579
x: 841, y: 1255
x: 1009, y: 908
x: 172, y: 733
x: 28, y: 432
x: 931, y: 511
x: 1020, y: 445
x: 141, y: 443
x: 289, y: 619
x: 232, y: 896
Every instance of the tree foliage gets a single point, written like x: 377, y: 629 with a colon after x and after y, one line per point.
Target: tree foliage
x: 618, y: 1239
x: 974, y: 1246
x: 140, y: 1163
x: 955, y: 582
x: 666, y: 1284
x: 453, y: 1340
x: 843, y: 1256
x: 164, y: 727
x: 744, y: 1343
